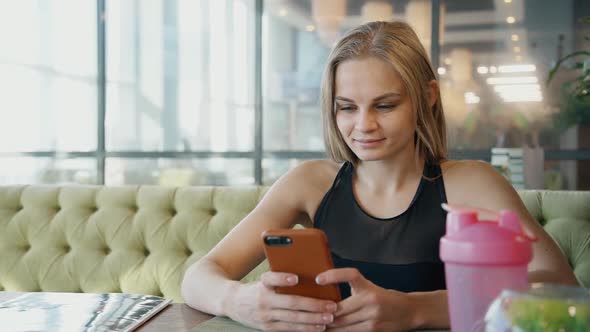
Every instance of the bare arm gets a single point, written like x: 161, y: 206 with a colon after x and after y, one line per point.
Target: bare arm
x: 207, y: 287
x: 211, y: 283
x: 480, y: 185
x: 430, y: 309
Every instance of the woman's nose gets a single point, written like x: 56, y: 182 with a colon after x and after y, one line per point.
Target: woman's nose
x: 366, y: 121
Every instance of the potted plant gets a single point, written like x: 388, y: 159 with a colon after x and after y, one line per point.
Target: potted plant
x: 575, y: 94
x: 574, y: 109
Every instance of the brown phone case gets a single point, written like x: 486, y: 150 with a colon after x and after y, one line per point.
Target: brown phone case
x: 306, y: 255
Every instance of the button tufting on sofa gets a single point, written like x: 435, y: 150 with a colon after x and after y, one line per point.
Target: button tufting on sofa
x: 33, y: 237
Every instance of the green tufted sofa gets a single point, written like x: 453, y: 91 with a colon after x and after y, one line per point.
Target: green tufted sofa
x: 141, y: 239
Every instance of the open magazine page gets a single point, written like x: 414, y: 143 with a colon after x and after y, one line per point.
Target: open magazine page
x: 78, y: 311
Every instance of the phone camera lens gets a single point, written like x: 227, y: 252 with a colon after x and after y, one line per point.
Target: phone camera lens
x: 272, y: 240
x: 278, y: 240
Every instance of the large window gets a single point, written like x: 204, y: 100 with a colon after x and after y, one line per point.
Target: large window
x: 227, y: 91
x: 495, y: 58
x: 48, y: 75
x: 180, y: 75
x: 178, y: 97
x: 180, y: 78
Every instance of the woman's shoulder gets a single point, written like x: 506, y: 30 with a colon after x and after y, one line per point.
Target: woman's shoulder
x: 457, y: 167
x: 309, y: 174
x: 305, y: 185
x: 316, y: 173
x: 464, y: 177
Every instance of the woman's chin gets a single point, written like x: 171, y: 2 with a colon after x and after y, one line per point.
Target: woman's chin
x: 370, y: 156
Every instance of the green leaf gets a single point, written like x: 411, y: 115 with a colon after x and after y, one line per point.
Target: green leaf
x: 577, y: 65
x: 558, y: 64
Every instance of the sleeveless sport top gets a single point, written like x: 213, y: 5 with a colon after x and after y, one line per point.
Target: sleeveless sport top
x: 400, y: 253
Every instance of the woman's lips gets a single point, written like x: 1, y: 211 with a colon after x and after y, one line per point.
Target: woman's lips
x: 368, y: 143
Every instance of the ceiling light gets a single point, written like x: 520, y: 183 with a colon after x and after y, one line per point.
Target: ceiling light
x: 504, y: 88
x: 516, y: 49
x: 482, y: 69
x: 520, y: 99
x: 471, y: 98
x: 511, y: 93
x: 518, y: 58
x: 510, y: 19
x: 493, y: 69
x: 310, y: 28
x: 514, y: 37
x: 512, y: 80
x: 507, y: 1
x: 447, y: 61
x: 283, y: 12
x: 441, y: 70
x: 516, y: 68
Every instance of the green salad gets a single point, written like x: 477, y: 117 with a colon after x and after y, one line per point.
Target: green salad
x: 531, y: 314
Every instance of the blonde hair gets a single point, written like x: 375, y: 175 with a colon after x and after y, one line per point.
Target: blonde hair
x: 397, y: 44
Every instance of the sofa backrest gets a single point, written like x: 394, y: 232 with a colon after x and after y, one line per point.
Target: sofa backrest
x: 565, y: 215
x: 112, y: 239
x: 141, y: 239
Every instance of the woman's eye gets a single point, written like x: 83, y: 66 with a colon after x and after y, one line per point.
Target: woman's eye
x: 345, y: 108
x: 385, y: 106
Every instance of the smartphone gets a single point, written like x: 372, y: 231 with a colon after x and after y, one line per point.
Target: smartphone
x: 303, y: 252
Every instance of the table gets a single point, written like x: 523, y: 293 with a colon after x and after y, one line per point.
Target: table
x: 177, y: 317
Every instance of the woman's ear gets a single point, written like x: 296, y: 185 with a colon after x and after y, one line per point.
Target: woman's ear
x: 433, y: 92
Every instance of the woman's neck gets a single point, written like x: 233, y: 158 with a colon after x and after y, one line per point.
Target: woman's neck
x: 389, y: 176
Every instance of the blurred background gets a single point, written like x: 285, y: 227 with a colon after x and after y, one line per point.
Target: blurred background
x: 226, y: 92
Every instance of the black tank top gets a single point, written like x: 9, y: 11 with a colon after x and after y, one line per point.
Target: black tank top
x: 400, y: 253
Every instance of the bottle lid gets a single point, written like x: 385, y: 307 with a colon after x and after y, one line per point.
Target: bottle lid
x: 471, y: 241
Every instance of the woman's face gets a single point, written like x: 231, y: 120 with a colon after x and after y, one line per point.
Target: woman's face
x: 373, y: 112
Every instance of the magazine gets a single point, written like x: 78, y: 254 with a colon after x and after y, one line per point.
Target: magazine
x: 75, y: 312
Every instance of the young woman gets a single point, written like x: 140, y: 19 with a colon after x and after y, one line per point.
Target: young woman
x: 378, y: 200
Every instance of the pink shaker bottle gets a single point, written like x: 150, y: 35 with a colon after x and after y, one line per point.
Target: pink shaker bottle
x: 481, y: 259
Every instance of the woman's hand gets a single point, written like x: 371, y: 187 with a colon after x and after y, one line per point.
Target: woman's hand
x: 257, y: 305
x: 370, y: 307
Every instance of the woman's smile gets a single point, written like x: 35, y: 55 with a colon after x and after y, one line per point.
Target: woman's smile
x: 368, y: 143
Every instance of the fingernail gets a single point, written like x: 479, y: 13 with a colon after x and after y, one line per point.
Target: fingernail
x: 319, y: 280
x: 331, y: 307
x: 292, y: 280
x: 328, y: 318
x: 320, y: 327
